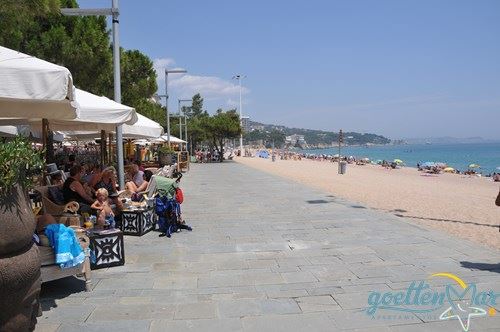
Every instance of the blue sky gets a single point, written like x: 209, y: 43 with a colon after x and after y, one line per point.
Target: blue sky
x: 412, y: 68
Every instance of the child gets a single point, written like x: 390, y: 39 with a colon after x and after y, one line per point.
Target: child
x: 105, y: 213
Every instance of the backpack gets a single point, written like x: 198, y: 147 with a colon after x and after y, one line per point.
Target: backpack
x: 179, y: 195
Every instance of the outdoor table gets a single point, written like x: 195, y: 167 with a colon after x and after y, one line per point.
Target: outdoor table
x: 107, y: 248
x: 138, y: 221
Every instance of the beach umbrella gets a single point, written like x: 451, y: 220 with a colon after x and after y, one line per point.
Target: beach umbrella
x: 398, y: 161
x: 34, y: 88
x: 474, y: 166
x: 449, y: 170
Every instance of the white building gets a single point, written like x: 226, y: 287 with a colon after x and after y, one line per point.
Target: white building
x: 294, y: 140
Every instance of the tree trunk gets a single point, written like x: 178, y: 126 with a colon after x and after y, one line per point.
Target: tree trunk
x: 19, y: 264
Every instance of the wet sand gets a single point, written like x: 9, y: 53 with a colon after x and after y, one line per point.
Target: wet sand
x: 457, y: 204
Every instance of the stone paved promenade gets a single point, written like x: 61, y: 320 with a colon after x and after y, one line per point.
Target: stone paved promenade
x: 267, y: 254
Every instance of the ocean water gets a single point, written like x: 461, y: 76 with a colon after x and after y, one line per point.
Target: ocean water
x: 458, y: 156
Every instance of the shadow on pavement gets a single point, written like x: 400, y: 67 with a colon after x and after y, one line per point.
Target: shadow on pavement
x: 59, y: 289
x: 447, y: 220
x: 482, y: 266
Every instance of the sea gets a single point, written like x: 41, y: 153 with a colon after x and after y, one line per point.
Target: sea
x: 458, y: 156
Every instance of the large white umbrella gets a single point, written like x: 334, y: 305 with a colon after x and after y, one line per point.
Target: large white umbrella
x: 95, y: 113
x: 143, y: 128
x: 173, y: 139
x: 11, y: 131
x: 34, y: 88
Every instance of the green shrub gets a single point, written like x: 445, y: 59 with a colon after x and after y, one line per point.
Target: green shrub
x: 19, y: 161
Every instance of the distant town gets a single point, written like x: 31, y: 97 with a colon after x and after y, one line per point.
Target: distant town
x: 260, y: 134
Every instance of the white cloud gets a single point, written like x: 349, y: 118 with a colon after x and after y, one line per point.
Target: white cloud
x: 232, y: 102
x: 161, y: 64
x: 210, y: 87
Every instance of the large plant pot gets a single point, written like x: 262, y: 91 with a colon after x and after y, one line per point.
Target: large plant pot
x: 19, y: 264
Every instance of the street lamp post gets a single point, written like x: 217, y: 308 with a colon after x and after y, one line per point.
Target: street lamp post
x: 114, y: 12
x: 341, y: 140
x: 180, y: 119
x: 239, y: 78
x: 173, y: 71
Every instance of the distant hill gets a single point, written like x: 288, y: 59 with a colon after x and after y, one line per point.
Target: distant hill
x: 320, y: 138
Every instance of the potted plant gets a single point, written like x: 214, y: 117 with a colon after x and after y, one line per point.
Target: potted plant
x: 166, y: 155
x: 19, y: 258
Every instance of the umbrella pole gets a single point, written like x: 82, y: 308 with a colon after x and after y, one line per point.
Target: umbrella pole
x: 45, y: 124
x: 103, y: 148
x: 110, y: 154
x: 47, y: 142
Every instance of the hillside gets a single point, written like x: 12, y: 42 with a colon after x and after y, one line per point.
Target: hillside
x: 314, y: 138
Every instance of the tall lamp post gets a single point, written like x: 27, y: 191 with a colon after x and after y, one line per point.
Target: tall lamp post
x: 173, y: 71
x: 114, y: 12
x: 341, y: 140
x: 239, y: 78
x: 180, y: 119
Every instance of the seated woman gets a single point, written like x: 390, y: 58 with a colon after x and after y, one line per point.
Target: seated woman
x: 131, y: 186
x: 105, y: 179
x: 73, y: 190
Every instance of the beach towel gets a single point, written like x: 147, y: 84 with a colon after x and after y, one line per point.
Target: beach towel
x: 66, y: 247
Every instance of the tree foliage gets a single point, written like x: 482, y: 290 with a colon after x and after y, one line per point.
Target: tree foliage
x: 268, y: 137
x: 138, y: 79
x: 196, y: 108
x: 221, y: 126
x: 81, y: 44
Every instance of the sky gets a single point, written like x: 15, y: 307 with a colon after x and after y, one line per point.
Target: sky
x: 412, y: 68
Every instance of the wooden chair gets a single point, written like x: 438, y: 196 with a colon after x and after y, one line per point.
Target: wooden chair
x: 48, y: 206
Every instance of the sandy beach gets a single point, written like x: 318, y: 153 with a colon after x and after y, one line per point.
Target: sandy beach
x: 457, y: 204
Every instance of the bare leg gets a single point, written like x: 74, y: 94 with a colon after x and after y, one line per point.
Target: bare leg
x: 131, y: 186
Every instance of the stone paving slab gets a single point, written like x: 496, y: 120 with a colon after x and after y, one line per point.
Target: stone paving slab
x: 269, y: 254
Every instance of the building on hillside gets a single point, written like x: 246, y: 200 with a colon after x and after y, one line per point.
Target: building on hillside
x: 296, y: 141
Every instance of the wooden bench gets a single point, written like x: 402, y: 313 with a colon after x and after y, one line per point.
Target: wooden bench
x: 51, y: 271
